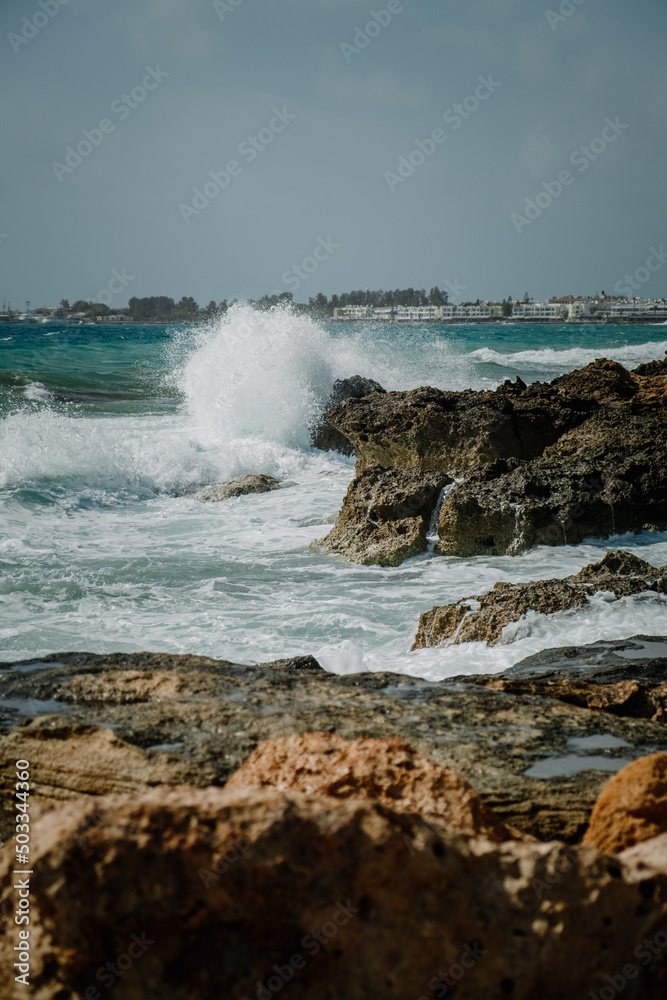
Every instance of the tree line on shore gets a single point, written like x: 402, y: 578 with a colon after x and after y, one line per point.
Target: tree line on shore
x: 162, y: 309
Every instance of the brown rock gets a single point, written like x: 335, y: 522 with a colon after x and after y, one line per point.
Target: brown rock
x: 238, y: 487
x: 69, y: 759
x: 484, y: 617
x: 387, y: 771
x: 632, y: 807
x: 221, y: 712
x: 216, y: 893
x: 386, y: 516
x: 581, y: 457
x: 603, y: 380
x: 324, y: 435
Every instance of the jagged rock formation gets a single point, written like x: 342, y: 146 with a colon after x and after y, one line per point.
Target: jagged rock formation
x: 584, y: 456
x: 324, y: 435
x: 484, y: 617
x: 238, y: 487
x: 386, y: 516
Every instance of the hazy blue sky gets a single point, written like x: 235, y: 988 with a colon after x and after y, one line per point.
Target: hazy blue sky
x: 63, y: 233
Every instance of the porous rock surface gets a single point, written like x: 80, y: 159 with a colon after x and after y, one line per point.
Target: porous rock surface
x: 238, y: 487
x: 386, y: 516
x: 552, y: 464
x: 324, y: 435
x: 197, y: 720
x: 221, y: 893
x: 484, y: 617
x: 632, y: 808
x: 387, y: 771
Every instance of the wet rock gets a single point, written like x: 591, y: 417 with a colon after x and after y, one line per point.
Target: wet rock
x: 218, y: 893
x: 608, y: 661
x: 215, y: 714
x: 324, y: 435
x: 294, y: 663
x: 386, y: 771
x: 606, y: 477
x: 238, y: 487
x: 583, y: 456
x: 484, y: 617
x: 632, y: 807
x: 386, y: 516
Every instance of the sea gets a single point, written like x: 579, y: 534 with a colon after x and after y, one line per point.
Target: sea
x: 107, y: 431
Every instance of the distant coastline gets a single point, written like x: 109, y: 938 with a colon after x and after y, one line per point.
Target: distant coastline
x: 399, y: 306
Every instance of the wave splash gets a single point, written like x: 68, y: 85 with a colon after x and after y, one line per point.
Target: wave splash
x: 259, y: 374
x: 252, y: 385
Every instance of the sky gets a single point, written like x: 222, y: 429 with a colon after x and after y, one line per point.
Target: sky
x: 341, y: 157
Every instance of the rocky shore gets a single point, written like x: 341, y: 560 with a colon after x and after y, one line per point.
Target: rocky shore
x: 203, y: 829
x: 485, y: 617
x: 551, y: 464
x: 227, y: 814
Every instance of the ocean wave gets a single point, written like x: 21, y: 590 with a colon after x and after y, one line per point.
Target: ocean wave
x: 264, y: 374
x: 573, y: 357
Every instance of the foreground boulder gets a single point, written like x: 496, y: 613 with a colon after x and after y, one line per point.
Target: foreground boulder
x: 538, y: 756
x: 584, y: 456
x: 184, y: 893
x: 386, y: 516
x: 632, y: 807
x: 327, y: 437
x: 238, y: 487
x: 386, y: 771
x: 483, y: 618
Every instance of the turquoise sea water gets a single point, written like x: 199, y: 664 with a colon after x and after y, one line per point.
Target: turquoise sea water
x: 106, y: 430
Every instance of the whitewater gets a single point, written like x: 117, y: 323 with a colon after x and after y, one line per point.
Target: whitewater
x: 107, y: 431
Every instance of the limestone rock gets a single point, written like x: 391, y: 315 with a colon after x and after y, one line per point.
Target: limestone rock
x: 217, y: 893
x: 484, y: 617
x: 652, y: 368
x: 387, y: 771
x: 607, y: 477
x: 386, y: 516
x: 632, y: 807
x: 584, y: 456
x: 69, y: 759
x: 324, y: 435
x: 238, y: 487
x: 531, y: 757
